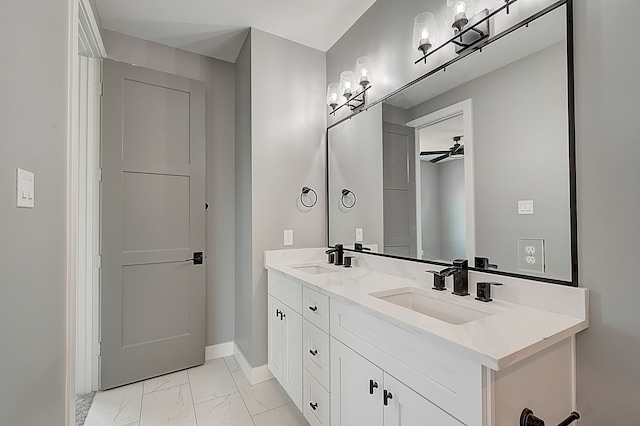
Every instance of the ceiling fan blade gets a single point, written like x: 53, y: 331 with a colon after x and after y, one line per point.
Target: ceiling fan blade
x: 434, y: 152
x: 442, y: 157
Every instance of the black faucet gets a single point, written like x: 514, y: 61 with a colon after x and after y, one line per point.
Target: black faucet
x: 461, y: 277
x: 338, y: 249
x: 360, y: 247
x: 439, y: 276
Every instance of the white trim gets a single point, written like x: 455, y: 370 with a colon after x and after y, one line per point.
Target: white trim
x: 466, y: 109
x: 89, y: 37
x: 88, y: 222
x: 72, y: 144
x: 218, y: 351
x: 253, y: 374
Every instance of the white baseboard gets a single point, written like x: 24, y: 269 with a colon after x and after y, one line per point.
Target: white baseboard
x: 253, y: 374
x: 218, y: 351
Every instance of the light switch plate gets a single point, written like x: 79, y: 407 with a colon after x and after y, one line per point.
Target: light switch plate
x: 25, y: 189
x: 288, y: 237
x: 525, y: 206
x: 359, y: 235
x: 531, y: 255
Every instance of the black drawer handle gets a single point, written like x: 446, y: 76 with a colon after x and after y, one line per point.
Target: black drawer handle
x: 314, y: 407
x: 313, y: 308
x: 372, y: 385
x: 313, y: 352
x: 278, y: 312
x: 387, y: 396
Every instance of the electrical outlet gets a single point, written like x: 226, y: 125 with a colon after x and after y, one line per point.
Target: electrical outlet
x: 531, y: 255
x: 288, y: 237
x: 359, y: 238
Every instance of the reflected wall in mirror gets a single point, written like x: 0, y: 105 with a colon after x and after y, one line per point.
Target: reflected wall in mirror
x: 513, y: 146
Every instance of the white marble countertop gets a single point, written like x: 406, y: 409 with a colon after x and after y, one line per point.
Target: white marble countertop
x: 497, y: 341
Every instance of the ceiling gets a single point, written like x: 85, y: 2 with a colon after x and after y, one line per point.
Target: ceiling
x: 218, y: 28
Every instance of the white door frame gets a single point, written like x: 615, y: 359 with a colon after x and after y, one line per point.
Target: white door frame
x: 83, y: 37
x: 464, y: 108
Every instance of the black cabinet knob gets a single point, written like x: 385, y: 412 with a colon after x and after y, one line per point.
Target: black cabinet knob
x: 372, y: 385
x: 314, y: 407
x: 387, y: 396
x: 313, y: 308
x: 313, y: 352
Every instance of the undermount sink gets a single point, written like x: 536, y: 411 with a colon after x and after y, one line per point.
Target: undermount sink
x: 313, y: 269
x: 418, y: 300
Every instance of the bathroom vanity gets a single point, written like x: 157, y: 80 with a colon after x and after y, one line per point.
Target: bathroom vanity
x: 374, y: 344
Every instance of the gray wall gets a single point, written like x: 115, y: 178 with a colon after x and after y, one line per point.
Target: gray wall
x: 442, y: 195
x: 243, y: 225
x: 33, y: 136
x: 520, y: 153
x: 453, y: 237
x: 219, y: 79
x: 287, y: 152
x: 607, y: 93
x: 355, y: 163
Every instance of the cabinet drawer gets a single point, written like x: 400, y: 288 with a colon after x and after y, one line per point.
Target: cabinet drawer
x: 315, y: 352
x: 316, y: 402
x: 315, y: 308
x: 286, y: 290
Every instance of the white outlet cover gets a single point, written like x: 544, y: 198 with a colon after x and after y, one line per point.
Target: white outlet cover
x: 288, y: 237
x: 359, y: 235
x: 531, y: 255
x: 525, y: 206
x: 25, y: 189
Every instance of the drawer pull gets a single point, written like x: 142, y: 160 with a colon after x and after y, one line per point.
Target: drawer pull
x: 387, y: 396
x: 314, y: 407
x: 313, y: 352
x: 372, y: 385
x: 313, y: 308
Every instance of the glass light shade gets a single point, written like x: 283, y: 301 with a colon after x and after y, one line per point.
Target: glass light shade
x: 425, y: 35
x: 347, y: 84
x: 364, y: 71
x: 461, y: 11
x: 333, y: 95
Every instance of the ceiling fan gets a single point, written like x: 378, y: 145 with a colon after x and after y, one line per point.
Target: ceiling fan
x: 456, y: 149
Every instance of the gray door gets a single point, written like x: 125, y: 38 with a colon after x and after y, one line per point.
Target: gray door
x: 153, y: 153
x: 399, y: 190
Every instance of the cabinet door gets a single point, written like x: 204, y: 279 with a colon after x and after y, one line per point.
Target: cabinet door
x: 276, y: 339
x: 292, y: 323
x: 356, y: 388
x: 405, y: 407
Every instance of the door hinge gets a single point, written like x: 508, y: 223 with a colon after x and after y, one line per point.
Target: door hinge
x: 99, y: 175
x: 99, y: 89
x: 97, y: 350
x: 97, y: 261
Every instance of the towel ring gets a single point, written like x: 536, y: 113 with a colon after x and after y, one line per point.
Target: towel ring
x: 305, y: 191
x: 345, y: 194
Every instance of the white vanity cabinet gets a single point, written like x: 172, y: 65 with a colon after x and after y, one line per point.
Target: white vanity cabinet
x: 284, y: 324
x: 364, y: 394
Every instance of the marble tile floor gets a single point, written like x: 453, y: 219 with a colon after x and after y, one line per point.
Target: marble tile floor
x: 214, y: 394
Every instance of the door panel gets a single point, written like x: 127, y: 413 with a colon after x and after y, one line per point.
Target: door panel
x: 399, y: 190
x: 152, y: 300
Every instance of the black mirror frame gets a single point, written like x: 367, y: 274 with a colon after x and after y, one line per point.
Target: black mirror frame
x: 572, y: 150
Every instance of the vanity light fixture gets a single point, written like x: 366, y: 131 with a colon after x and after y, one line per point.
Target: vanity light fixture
x: 471, y: 27
x: 424, y: 33
x: 347, y: 84
x: 351, y: 91
x: 333, y: 95
x: 364, y: 71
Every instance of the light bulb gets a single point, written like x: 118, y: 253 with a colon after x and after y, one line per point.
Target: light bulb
x: 347, y: 82
x: 460, y: 7
x: 333, y: 95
